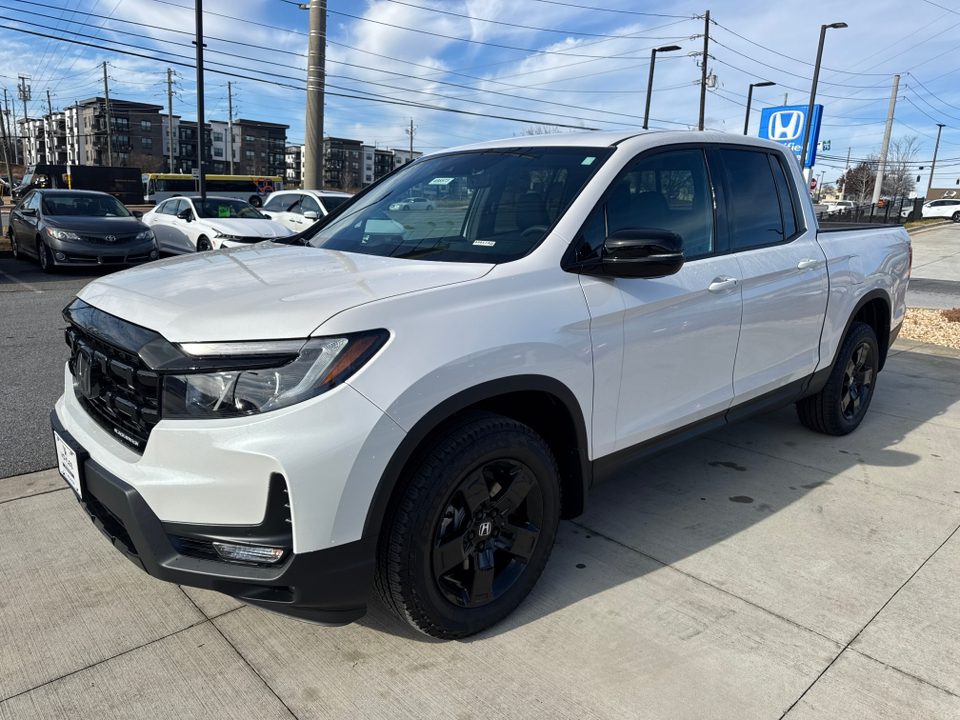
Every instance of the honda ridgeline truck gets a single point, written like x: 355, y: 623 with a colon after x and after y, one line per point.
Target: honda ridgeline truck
x: 405, y: 404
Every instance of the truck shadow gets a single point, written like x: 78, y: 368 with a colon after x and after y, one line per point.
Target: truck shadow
x: 702, y: 506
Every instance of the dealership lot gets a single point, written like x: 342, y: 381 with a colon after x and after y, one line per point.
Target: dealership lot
x: 762, y: 572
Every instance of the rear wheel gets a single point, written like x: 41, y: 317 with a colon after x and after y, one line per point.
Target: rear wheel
x: 203, y: 244
x: 472, y: 532
x: 840, y: 406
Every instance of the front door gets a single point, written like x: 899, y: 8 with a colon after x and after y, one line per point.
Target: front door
x: 664, y: 348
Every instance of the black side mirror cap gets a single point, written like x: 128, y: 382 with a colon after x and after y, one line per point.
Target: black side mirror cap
x: 185, y: 215
x: 636, y: 253
x: 32, y: 212
x: 137, y: 214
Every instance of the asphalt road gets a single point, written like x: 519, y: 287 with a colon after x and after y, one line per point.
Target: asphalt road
x: 935, y: 280
x: 32, y: 354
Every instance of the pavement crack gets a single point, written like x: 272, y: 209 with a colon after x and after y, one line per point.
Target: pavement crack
x: 33, y: 495
x: 704, y: 582
x: 240, y: 654
x: 904, y: 672
x: 867, y: 624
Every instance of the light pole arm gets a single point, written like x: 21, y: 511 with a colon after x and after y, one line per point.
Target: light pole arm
x: 646, y: 111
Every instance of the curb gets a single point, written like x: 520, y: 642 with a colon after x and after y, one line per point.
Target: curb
x: 924, y: 228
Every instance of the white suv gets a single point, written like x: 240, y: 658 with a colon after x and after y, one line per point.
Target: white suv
x: 411, y: 401
x: 299, y: 209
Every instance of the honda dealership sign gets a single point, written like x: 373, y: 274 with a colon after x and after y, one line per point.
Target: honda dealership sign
x: 786, y: 125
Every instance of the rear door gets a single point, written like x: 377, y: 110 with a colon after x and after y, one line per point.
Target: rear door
x: 283, y: 209
x: 783, y: 268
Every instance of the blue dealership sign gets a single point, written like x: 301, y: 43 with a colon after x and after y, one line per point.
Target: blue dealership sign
x: 786, y: 125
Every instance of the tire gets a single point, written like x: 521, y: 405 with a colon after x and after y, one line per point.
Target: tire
x: 955, y: 217
x: 840, y: 405
x: 255, y: 201
x: 45, y: 258
x: 14, y: 245
x: 203, y: 244
x: 482, y: 476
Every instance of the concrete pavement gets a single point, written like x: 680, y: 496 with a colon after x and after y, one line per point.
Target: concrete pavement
x: 935, y: 280
x: 762, y: 572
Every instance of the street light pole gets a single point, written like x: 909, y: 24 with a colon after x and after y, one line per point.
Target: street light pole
x: 933, y: 165
x: 200, y: 121
x: 653, y: 60
x: 746, y: 120
x: 813, y: 90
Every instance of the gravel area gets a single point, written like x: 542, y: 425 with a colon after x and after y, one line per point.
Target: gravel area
x: 941, y: 327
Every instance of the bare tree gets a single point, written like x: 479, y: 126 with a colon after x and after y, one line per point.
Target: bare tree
x: 147, y: 163
x: 898, y: 179
x: 858, y: 181
x: 543, y: 129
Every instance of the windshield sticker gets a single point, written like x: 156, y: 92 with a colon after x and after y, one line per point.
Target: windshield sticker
x: 223, y: 211
x: 485, y: 243
x: 440, y: 181
x: 588, y: 161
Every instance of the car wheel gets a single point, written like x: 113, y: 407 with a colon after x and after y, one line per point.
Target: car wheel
x: 471, y: 532
x: 955, y: 217
x: 255, y: 201
x: 46, y: 259
x: 14, y: 245
x: 406, y: 207
x: 840, y: 405
x: 203, y: 244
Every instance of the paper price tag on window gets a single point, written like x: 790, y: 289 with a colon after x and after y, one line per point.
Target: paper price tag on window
x: 440, y: 181
x: 223, y: 212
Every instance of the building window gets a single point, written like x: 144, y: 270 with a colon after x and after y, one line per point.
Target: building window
x: 146, y: 125
x: 250, y: 154
x: 356, y: 166
x: 249, y: 138
x: 218, y: 137
x: 124, y: 157
x: 146, y: 142
x: 218, y: 152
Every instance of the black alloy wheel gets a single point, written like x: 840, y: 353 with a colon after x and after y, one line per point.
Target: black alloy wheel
x: 14, y: 245
x: 841, y: 404
x: 203, y: 244
x: 487, y: 533
x: 472, y: 526
x: 43, y: 255
x: 955, y: 217
x: 255, y: 201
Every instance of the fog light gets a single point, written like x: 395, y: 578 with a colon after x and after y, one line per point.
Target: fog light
x: 60, y: 256
x: 153, y: 254
x: 249, y: 553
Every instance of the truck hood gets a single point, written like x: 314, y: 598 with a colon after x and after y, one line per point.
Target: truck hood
x: 263, y: 291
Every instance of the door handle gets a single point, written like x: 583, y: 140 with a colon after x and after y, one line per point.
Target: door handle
x: 724, y: 282
x: 806, y: 264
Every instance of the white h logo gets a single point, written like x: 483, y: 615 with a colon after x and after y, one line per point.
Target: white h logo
x: 785, y: 125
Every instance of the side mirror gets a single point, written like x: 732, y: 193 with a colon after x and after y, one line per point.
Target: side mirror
x: 267, y: 215
x: 137, y: 214
x: 636, y: 253
x: 186, y: 215
x: 311, y: 215
x: 32, y: 212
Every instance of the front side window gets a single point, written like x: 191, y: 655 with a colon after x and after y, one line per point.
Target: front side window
x: 281, y: 203
x: 668, y: 191
x: 308, y: 204
x: 490, y: 206
x: 754, y: 203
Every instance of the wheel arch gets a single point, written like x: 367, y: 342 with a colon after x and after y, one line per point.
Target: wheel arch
x: 544, y: 404
x: 874, y: 309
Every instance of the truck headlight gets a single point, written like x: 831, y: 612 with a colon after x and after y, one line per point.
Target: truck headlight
x: 62, y: 234
x: 317, y: 366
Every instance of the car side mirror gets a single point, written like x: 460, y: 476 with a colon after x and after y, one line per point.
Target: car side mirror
x: 636, y: 253
x: 137, y: 214
x: 310, y: 215
x: 186, y: 215
x: 32, y: 212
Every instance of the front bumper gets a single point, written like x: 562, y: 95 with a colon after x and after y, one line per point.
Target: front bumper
x: 329, y: 586
x: 88, y: 254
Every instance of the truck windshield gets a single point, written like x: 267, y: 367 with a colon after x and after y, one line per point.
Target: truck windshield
x: 488, y: 206
x: 83, y: 205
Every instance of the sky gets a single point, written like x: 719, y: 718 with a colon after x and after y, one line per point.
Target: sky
x: 506, y: 66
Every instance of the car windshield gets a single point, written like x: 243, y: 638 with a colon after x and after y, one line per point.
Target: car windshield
x: 487, y: 206
x: 226, y: 208
x: 84, y: 205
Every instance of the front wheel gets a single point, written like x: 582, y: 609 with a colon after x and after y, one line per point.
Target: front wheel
x: 45, y: 257
x: 473, y: 530
x: 840, y: 405
x: 203, y: 244
x: 14, y: 245
x: 955, y: 217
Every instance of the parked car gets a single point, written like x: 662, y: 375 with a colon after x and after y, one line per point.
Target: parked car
x: 835, y: 207
x: 411, y: 413
x: 78, y: 227
x: 299, y: 209
x: 413, y: 203
x: 944, y: 208
x: 189, y: 224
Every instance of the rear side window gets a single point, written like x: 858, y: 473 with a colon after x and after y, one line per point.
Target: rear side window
x: 754, y: 202
x: 787, y: 207
x: 281, y: 203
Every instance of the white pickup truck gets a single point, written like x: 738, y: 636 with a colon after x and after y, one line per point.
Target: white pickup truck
x: 406, y: 403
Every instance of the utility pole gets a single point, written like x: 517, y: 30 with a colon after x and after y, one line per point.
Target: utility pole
x: 785, y: 96
x: 230, y: 124
x: 52, y: 140
x: 316, y: 61
x: 106, y: 105
x: 846, y: 168
x: 6, y: 150
x: 877, y: 186
x: 703, y: 75
x: 201, y: 134
x: 173, y: 152
x: 933, y: 165
x: 12, y: 132
x: 23, y: 92
x: 411, y: 132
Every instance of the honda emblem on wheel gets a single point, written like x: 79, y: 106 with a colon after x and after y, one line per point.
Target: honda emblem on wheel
x: 485, y: 529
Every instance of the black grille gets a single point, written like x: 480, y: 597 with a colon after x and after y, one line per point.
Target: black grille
x: 118, y: 239
x: 114, y: 387
x: 111, y: 525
